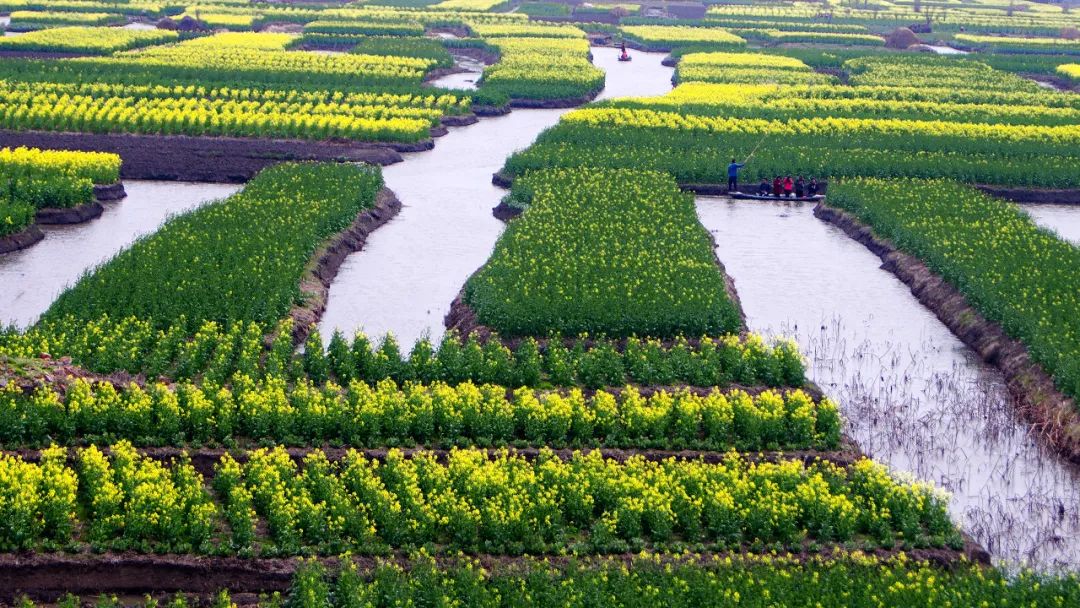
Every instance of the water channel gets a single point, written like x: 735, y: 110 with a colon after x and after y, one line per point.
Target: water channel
x: 914, y: 396
x: 412, y: 268
x: 33, y: 277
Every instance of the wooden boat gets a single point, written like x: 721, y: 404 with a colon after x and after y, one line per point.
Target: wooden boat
x: 769, y: 197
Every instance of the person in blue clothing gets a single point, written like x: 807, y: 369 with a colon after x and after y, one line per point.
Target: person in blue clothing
x: 733, y: 175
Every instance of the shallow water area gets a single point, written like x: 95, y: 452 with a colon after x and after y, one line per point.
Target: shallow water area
x: 411, y: 269
x: 913, y: 395
x: 945, y: 50
x: 34, y: 277
x: 466, y: 79
x: 1062, y: 219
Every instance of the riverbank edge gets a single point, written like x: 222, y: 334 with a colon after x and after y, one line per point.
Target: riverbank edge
x: 1053, y: 415
x: 328, y: 258
x: 26, y: 237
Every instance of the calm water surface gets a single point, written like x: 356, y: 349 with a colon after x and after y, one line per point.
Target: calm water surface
x: 913, y: 395
x: 32, y: 278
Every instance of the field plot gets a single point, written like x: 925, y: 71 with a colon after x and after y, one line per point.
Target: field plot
x: 595, y: 420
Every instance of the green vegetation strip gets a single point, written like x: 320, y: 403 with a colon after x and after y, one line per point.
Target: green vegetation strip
x: 847, y: 581
x: 33, y: 179
x: 501, y: 503
x: 89, y: 40
x: 604, y: 252
x: 415, y: 414
x: 1016, y: 274
x: 923, y: 117
x: 240, y: 259
x: 216, y: 352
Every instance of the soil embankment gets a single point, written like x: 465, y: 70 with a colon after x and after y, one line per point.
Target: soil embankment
x: 328, y: 259
x: 21, y: 240
x: 69, y: 215
x: 1048, y: 196
x: 209, y: 159
x: 1053, y: 415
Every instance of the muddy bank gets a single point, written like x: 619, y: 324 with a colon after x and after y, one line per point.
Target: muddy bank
x: 70, y: 215
x: 502, y: 179
x: 49, y: 576
x: 555, y: 104
x: 484, y: 111
x: 208, y: 159
x: 1053, y: 415
x: 109, y: 192
x: 1056, y: 82
x: 21, y: 240
x: 505, y: 212
x: 328, y: 259
x: 461, y: 120
x: 1050, y: 196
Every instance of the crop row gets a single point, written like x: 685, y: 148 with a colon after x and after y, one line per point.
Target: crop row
x: 756, y: 93
x: 918, y: 72
x: 26, y: 107
x: 33, y: 179
x: 543, y: 68
x: 210, y: 264
x: 847, y: 581
x: 500, y: 503
x: 367, y: 416
x: 612, y: 252
x: 664, y: 38
x: 364, y: 28
x: 216, y: 354
x: 23, y: 21
x: 90, y: 40
x: 691, y: 156
x: 746, y: 68
x: 1070, y: 71
x: 1034, y: 45
x: 1015, y: 273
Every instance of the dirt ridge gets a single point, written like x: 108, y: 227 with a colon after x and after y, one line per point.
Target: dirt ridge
x: 21, y: 240
x: 208, y: 159
x: 69, y: 215
x: 1053, y: 415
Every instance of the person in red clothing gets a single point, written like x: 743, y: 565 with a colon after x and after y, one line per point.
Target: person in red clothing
x: 777, y: 186
x: 789, y: 186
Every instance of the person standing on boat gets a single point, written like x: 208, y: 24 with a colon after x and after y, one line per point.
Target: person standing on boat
x: 733, y: 175
x: 789, y: 186
x: 764, y: 188
x: 800, y: 187
x: 812, y: 187
x: 777, y: 186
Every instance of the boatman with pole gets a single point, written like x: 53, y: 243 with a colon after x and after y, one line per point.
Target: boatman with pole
x: 733, y: 175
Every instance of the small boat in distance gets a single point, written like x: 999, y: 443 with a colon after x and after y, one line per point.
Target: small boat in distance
x: 770, y: 197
